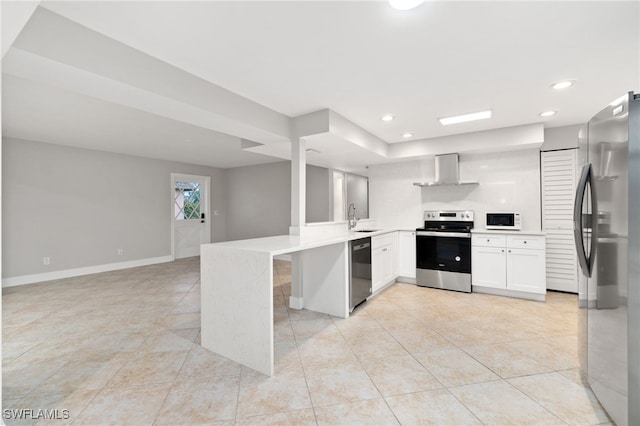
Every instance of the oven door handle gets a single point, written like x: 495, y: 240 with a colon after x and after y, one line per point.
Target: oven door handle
x: 443, y: 234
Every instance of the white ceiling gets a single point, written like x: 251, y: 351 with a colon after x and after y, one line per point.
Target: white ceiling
x: 360, y: 59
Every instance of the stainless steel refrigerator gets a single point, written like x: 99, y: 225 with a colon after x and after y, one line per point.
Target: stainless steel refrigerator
x: 607, y: 238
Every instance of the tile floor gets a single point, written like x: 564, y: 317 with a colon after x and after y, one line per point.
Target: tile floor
x: 123, y: 348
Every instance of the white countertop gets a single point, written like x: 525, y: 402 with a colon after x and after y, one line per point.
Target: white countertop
x: 504, y: 232
x: 283, y: 244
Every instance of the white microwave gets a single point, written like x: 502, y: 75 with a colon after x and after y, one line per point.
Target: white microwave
x: 507, y: 221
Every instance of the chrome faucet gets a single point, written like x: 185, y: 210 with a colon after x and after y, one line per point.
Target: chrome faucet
x: 353, y: 220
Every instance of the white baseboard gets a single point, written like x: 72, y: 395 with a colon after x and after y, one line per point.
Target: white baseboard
x: 69, y: 273
x: 508, y: 293
x: 296, y: 302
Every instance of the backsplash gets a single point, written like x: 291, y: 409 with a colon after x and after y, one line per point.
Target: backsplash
x: 508, y: 181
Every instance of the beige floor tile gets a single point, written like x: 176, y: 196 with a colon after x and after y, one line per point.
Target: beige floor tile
x: 282, y: 331
x: 19, y: 378
x: 80, y: 376
x: 368, y: 412
x: 201, y: 363
x: 297, y: 418
x: 568, y: 400
x: 436, y: 407
x: 575, y: 375
x: 466, y: 333
x: 550, y: 353
x: 305, y: 329
x: 280, y: 311
x: 505, y: 360
x: 500, y: 403
x: 148, y: 368
x: 453, y: 367
x: 190, y: 303
x: 178, y: 321
x: 259, y: 394
x: 107, y: 346
x: 399, y: 375
x: 339, y: 382
x: 200, y: 401
x: 286, y: 353
x: 326, y: 348
x: 63, y: 340
x: 420, y: 340
x: 368, y: 344
x: 189, y: 334
x: 303, y: 314
x: 15, y: 348
x: 67, y: 406
x: 167, y: 341
x: 359, y: 320
x: 137, y: 405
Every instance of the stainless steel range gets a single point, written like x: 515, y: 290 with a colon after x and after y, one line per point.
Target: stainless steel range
x: 443, y: 250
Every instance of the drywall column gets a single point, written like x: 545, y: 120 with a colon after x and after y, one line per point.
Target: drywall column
x: 298, y: 184
x: 298, y: 220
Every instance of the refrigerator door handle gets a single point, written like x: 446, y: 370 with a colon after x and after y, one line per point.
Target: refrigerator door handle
x: 594, y: 221
x: 586, y: 262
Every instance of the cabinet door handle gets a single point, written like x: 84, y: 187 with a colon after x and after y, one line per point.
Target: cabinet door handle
x: 509, y: 251
x: 384, y: 249
x: 502, y: 250
x: 525, y: 242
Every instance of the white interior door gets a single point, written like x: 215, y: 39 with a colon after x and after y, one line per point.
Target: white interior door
x: 190, y: 214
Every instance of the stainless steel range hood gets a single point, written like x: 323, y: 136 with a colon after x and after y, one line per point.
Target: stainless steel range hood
x: 447, y: 172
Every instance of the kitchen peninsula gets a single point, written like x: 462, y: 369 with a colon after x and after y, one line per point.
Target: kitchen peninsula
x: 237, y: 290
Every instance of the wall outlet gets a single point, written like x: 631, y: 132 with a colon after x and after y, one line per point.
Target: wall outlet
x: 46, y: 261
x: 120, y: 251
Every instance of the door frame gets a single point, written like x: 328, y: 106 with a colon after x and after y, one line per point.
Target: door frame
x: 205, y: 207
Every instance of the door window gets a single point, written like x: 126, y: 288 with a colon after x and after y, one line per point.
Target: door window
x: 187, y: 200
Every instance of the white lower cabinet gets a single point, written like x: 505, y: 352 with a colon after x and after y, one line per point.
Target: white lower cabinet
x: 509, y: 264
x: 383, y: 261
x: 407, y: 254
x: 488, y: 267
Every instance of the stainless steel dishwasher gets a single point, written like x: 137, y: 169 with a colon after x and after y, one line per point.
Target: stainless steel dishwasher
x: 360, y: 271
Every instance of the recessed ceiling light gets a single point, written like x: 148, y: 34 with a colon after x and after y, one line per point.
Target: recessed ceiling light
x: 407, y: 135
x: 405, y: 4
x: 387, y: 117
x: 480, y: 115
x: 547, y: 114
x: 563, y: 84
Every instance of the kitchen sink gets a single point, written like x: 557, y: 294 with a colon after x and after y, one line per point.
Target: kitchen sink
x: 366, y: 230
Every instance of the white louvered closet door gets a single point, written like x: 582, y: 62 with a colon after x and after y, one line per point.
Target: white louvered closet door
x: 559, y: 179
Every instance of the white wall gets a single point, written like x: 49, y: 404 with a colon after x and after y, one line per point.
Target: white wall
x: 508, y: 181
x: 78, y: 207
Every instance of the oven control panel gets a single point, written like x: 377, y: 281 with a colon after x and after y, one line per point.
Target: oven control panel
x: 457, y: 215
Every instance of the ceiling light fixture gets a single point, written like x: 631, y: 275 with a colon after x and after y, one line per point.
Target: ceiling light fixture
x: 547, y: 114
x: 405, y: 4
x: 481, y: 115
x: 407, y: 135
x: 387, y: 117
x: 563, y: 84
